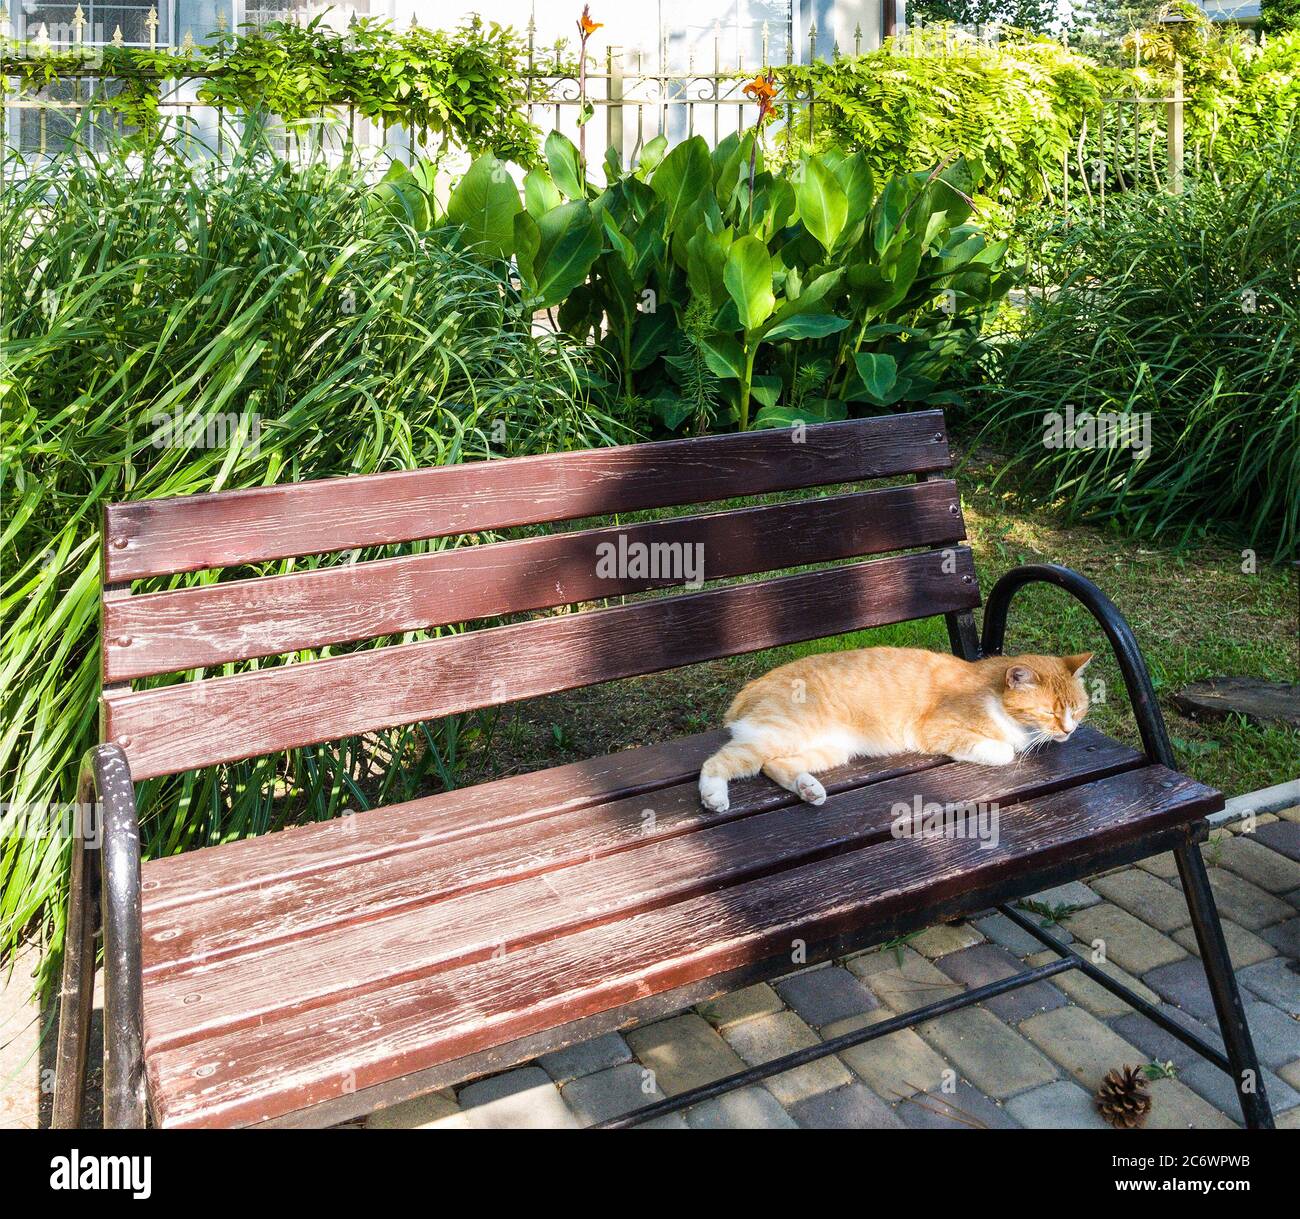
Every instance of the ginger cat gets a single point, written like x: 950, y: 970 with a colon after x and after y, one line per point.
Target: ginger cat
x: 823, y: 710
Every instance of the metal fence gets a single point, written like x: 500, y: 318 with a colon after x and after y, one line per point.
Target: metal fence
x: 1125, y: 143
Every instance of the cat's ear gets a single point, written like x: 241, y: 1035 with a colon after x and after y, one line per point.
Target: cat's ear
x: 1077, y: 664
x: 1019, y: 676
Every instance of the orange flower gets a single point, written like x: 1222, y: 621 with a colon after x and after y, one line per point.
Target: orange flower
x: 587, y: 27
x: 762, y: 89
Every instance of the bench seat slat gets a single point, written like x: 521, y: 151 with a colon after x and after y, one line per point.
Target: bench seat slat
x: 193, y: 724
x: 200, y: 627
x: 481, y: 901
x: 248, y: 864
x: 225, y: 529
x: 278, y: 909
x: 298, y: 1059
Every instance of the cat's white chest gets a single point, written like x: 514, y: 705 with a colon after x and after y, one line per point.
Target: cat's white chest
x: 1015, y: 735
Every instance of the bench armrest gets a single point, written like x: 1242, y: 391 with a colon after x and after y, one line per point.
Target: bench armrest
x: 105, y: 882
x: 1141, y: 693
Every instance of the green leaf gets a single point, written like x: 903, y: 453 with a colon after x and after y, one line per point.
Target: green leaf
x: 651, y: 335
x: 540, y: 193
x: 682, y: 177
x: 854, y: 175
x: 725, y: 356
x: 748, y: 278
x: 651, y: 155
x: 765, y: 390
x: 878, y: 373
x: 485, y: 204
x: 568, y: 242
x: 823, y: 205
x: 806, y: 326
x: 565, y: 165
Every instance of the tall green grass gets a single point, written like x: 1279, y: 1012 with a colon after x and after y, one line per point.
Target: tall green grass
x: 142, y: 286
x: 1184, y: 306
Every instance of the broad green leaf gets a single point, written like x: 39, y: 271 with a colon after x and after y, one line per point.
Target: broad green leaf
x: 651, y: 155
x: 748, y: 277
x: 540, y: 193
x: 651, y: 336
x: 823, y: 205
x: 682, y: 177
x: 854, y: 175
x: 806, y: 326
x: 527, y: 239
x: 565, y: 165
x: 569, y: 241
x: 724, y: 356
x: 485, y: 204
x: 878, y: 373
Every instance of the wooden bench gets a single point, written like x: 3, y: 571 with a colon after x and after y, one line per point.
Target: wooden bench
x: 315, y: 974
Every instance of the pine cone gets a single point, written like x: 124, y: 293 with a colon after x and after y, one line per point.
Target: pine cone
x: 1122, y: 1098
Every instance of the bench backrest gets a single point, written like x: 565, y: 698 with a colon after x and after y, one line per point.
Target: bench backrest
x: 226, y: 718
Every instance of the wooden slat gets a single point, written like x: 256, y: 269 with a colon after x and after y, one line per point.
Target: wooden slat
x: 189, y: 533
x: 279, y: 909
x: 194, y: 724
x: 493, y: 899
x: 290, y: 1062
x: 518, y: 800
x: 195, y: 628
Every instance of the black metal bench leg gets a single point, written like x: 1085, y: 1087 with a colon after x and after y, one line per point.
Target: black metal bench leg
x: 107, y: 773
x: 1246, y: 1075
x: 76, y: 994
x: 1191, y: 867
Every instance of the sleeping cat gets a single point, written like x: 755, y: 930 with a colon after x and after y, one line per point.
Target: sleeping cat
x: 820, y: 711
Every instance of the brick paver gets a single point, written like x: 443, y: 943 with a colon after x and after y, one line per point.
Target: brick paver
x: 1084, y: 1046
x: 987, y: 963
x: 1126, y: 940
x: 768, y: 1037
x: 993, y: 1057
x: 1154, y: 901
x: 745, y: 1109
x: 685, y: 1052
x: 615, y: 1091
x: 1245, y: 903
x: 895, y: 1066
x: 1091, y: 995
x: 759, y: 1000
x: 903, y: 980
x: 1257, y: 863
x: 824, y: 996
x: 586, y: 1057
x: 1244, y: 947
x: 853, y: 1107
x: 936, y: 942
x: 526, y: 1097
x: 1056, y: 1106
x: 960, y: 1108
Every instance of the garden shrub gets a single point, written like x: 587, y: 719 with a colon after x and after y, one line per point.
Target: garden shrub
x: 805, y: 294
x: 1016, y: 107
x: 1181, y: 310
x: 175, y: 326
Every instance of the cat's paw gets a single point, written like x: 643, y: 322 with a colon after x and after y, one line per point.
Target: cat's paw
x: 990, y: 753
x: 713, y: 794
x: 810, y: 790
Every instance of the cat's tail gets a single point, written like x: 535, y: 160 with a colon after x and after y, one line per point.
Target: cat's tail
x: 735, y: 760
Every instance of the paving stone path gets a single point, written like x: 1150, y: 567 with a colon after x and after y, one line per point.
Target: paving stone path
x: 1029, y: 1058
